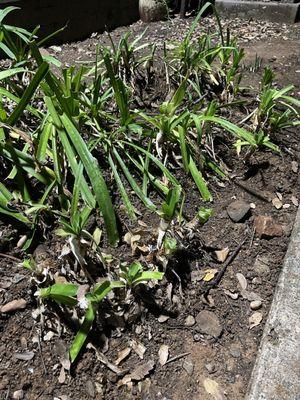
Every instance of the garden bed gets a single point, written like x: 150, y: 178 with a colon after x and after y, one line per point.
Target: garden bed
x: 210, y: 352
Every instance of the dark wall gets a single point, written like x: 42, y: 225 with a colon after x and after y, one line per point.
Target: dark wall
x: 83, y: 16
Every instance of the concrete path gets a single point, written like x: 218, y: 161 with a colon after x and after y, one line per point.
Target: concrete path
x: 276, y: 373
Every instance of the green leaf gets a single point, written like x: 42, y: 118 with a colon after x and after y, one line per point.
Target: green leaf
x: 62, y: 293
x: 29, y: 93
x: 129, y: 207
x: 147, y: 276
x: 83, y: 332
x: 99, y: 186
x: 200, y: 182
x: 11, y: 72
x: 204, y: 214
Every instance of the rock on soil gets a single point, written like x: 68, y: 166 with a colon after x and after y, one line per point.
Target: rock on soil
x: 209, y: 323
x: 238, y: 210
x: 266, y: 227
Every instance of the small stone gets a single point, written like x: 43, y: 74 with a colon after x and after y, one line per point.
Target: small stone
x: 236, y: 353
x: 3, y: 383
x: 57, y: 49
x: 18, y: 395
x: 266, y: 227
x: 261, y: 265
x: 211, y: 368
x: 238, y: 210
x: 197, y: 337
x: 163, y: 318
x: 277, y: 203
x: 295, y: 167
x: 89, y: 386
x: 189, y: 321
x: 255, y: 305
x: 209, y: 323
x: 188, y: 366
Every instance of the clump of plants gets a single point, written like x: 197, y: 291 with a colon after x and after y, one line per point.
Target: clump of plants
x: 81, y: 150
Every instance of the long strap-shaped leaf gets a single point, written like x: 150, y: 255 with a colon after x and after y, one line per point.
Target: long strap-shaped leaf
x: 83, y: 332
x: 125, y: 197
x: 29, y: 93
x: 94, y: 173
x: 138, y: 191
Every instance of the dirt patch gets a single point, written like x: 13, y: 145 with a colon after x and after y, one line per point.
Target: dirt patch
x: 194, y: 356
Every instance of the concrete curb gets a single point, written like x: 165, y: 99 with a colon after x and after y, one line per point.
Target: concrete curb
x: 286, y: 12
x: 276, y: 373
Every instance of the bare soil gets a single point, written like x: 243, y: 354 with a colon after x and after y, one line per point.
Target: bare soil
x: 227, y: 359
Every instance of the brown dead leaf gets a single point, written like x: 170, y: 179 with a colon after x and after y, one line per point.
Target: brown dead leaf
x: 163, y: 354
x: 138, y: 348
x: 212, y: 388
x: 209, y: 274
x: 242, y: 280
x: 139, y: 373
x: 13, y: 305
x: 222, y: 254
x: 122, y: 355
x: 255, y: 319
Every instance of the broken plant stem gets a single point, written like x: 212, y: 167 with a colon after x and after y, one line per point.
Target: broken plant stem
x: 252, y: 191
x: 177, y: 357
x: 220, y: 275
x: 10, y: 257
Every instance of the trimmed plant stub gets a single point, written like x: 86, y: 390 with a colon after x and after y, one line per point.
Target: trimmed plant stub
x: 209, y: 323
x: 238, y: 211
x: 152, y: 10
x: 266, y: 227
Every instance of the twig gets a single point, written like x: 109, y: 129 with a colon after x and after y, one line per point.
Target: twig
x: 254, y: 192
x: 40, y: 351
x: 180, y: 285
x: 220, y: 275
x: 10, y: 257
x: 177, y: 357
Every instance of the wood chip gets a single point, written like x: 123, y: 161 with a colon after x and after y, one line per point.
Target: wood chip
x: 277, y: 203
x: 13, y: 305
x: 26, y: 356
x: 242, y: 280
x: 62, y: 376
x: 122, y: 355
x: 222, y: 254
x: 138, y: 348
x: 232, y: 295
x: 295, y: 201
x: 163, y: 354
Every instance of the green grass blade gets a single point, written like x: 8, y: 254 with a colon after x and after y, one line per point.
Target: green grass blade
x: 99, y: 186
x: 138, y: 191
x: 83, y: 332
x: 129, y: 207
x: 29, y: 93
x: 200, y: 182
